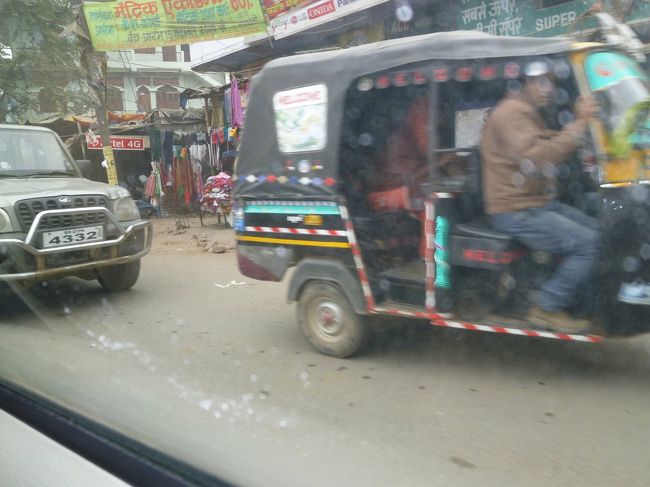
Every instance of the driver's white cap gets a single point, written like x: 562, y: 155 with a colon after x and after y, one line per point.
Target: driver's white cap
x: 536, y: 68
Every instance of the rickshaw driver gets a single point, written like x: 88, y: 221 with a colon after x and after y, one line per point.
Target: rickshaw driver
x: 519, y: 154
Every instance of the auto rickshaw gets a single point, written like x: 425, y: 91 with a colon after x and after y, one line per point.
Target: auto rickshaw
x: 307, y: 194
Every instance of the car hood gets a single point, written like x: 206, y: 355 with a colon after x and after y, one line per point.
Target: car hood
x: 14, y: 189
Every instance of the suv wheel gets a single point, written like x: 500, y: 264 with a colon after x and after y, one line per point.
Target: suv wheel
x: 119, y: 277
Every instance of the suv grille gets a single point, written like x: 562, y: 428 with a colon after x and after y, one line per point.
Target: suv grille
x: 26, y: 210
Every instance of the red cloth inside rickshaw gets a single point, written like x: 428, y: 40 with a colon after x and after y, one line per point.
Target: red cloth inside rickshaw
x: 403, y: 166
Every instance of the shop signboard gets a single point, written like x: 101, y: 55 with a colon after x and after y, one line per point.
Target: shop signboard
x: 315, y: 14
x: 132, y: 24
x: 273, y: 8
x: 531, y: 17
x: 126, y: 142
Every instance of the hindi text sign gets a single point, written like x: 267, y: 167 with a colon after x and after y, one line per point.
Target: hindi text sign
x: 133, y: 24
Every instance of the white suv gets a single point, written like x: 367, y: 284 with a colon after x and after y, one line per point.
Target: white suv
x: 55, y: 223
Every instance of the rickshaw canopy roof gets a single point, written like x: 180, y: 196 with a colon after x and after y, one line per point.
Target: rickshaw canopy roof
x: 263, y: 170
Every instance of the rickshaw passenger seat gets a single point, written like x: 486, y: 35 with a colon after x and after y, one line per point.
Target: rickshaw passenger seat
x: 478, y: 231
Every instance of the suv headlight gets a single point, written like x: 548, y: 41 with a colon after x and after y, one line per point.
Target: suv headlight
x: 125, y: 209
x: 115, y: 192
x: 5, y: 222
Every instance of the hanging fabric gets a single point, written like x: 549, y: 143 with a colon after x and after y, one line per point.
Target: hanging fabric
x: 217, y: 111
x: 235, y: 100
x: 155, y: 142
x: 168, y: 147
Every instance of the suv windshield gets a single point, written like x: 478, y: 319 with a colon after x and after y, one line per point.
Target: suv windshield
x: 27, y: 152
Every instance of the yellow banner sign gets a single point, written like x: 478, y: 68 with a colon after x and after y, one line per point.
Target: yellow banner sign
x: 131, y: 24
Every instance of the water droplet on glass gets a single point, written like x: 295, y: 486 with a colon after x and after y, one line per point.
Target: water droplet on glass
x: 645, y: 251
x: 565, y: 117
x: 518, y: 179
x: 283, y: 423
x: 304, y: 376
x: 205, y: 404
x: 631, y: 264
x: 562, y: 69
x: 366, y: 139
x: 640, y: 216
x: 354, y: 113
x: 527, y: 167
x: 514, y: 86
x: 549, y: 170
x: 66, y: 310
x: 253, y: 378
x: 560, y: 96
x: 403, y: 11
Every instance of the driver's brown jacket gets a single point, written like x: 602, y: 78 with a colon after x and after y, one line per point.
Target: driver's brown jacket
x: 520, y: 154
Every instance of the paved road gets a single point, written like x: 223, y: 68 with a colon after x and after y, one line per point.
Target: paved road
x: 210, y: 366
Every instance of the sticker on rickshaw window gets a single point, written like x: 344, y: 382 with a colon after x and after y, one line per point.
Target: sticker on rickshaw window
x: 301, y: 118
x: 605, y: 69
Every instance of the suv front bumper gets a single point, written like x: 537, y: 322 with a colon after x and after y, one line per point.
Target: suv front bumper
x: 26, y: 260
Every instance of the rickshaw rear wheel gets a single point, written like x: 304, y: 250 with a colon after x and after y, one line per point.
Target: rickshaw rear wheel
x: 329, y: 322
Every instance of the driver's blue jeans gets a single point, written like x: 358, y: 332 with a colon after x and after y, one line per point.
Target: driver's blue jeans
x: 562, y: 230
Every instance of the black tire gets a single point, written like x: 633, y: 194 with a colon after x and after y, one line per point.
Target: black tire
x: 119, y: 277
x: 329, y: 322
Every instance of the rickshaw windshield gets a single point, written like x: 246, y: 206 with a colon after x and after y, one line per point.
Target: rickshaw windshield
x: 619, y: 84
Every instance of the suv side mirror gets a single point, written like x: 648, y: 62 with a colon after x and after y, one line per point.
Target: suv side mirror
x: 86, y: 168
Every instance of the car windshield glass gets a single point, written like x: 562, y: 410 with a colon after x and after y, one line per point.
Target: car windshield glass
x: 31, y: 152
x: 322, y: 243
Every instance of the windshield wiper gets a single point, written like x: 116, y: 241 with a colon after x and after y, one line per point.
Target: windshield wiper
x: 9, y: 175
x: 49, y: 173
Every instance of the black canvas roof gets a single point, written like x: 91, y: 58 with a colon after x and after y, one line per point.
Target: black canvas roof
x: 259, y: 155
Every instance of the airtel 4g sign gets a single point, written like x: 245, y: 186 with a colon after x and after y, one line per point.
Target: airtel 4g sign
x: 129, y: 142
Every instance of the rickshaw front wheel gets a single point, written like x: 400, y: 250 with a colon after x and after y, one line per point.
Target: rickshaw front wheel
x: 329, y: 322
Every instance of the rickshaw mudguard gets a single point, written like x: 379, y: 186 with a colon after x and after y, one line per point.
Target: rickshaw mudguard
x: 328, y: 270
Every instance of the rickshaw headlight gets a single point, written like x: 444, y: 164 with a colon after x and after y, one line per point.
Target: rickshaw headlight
x: 238, y: 217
